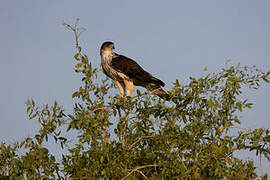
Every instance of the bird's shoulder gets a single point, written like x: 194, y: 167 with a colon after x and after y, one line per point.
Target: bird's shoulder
x: 119, y: 59
x: 122, y: 62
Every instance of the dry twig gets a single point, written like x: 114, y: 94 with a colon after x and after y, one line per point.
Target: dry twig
x: 137, y: 168
x: 138, y: 140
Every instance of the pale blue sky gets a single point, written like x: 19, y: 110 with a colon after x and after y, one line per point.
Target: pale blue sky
x: 170, y: 39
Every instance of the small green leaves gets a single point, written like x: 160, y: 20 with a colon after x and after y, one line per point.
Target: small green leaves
x: 77, y: 56
x: 115, y: 136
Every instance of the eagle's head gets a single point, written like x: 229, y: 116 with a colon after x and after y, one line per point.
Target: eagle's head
x: 106, y: 47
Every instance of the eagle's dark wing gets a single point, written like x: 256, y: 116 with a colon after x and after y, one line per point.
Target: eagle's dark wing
x: 133, y: 70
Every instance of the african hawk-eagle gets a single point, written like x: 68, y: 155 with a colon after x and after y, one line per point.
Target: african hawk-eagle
x: 126, y: 72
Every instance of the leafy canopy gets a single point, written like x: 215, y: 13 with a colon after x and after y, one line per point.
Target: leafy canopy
x: 143, y: 137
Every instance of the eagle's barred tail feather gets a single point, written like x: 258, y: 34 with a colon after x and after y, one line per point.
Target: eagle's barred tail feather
x: 161, y: 93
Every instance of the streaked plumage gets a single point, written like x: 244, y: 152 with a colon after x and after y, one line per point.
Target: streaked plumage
x: 126, y: 72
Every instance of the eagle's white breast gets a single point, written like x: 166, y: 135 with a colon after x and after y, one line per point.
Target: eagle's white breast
x: 106, y: 59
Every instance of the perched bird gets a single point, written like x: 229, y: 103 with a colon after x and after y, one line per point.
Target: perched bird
x: 126, y: 73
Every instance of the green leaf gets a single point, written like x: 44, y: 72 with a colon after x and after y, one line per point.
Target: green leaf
x: 138, y: 92
x: 33, y: 116
x: 28, y: 109
x: 21, y: 144
x: 85, y: 59
x: 33, y: 103
x: 265, y: 79
x: 79, y: 48
x: 76, y: 94
x: 78, y: 65
x: 249, y: 105
x: 76, y: 56
x: 95, y: 124
x: 101, y: 159
x: 71, y: 116
x: 177, y: 84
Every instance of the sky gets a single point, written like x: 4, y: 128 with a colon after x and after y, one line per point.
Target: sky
x: 173, y: 39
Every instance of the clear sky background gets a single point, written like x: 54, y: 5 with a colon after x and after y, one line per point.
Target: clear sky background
x: 172, y: 40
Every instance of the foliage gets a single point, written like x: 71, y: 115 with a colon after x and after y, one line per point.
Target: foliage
x: 143, y: 136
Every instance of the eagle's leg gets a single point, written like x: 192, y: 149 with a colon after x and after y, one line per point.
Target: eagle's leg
x: 129, y: 87
x: 121, y: 88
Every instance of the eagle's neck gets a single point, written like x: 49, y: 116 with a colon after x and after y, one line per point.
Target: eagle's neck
x: 106, y: 57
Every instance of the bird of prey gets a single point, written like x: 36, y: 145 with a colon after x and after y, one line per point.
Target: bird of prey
x: 126, y: 73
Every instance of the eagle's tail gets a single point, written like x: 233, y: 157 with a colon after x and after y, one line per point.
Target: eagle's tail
x: 157, y: 90
x: 162, y: 94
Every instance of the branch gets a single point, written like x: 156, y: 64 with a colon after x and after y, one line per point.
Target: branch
x: 140, y: 167
x: 141, y: 173
x: 77, y: 31
x: 77, y: 178
x: 155, y: 123
x: 138, y: 140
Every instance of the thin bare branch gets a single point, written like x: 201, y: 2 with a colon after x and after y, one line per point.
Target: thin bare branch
x: 155, y: 123
x: 141, y: 173
x: 138, y: 140
x: 77, y: 32
x: 75, y: 178
x: 137, y: 168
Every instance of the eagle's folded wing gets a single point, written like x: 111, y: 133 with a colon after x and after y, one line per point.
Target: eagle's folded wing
x: 133, y: 70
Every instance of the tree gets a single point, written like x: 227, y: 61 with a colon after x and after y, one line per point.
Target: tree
x: 143, y: 137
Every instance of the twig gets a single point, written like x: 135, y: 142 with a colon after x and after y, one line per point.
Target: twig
x: 137, y: 168
x: 77, y: 31
x: 106, y: 135
x: 155, y: 123
x: 141, y: 173
x: 77, y: 178
x: 138, y: 140
x: 101, y: 108
x: 260, y: 165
